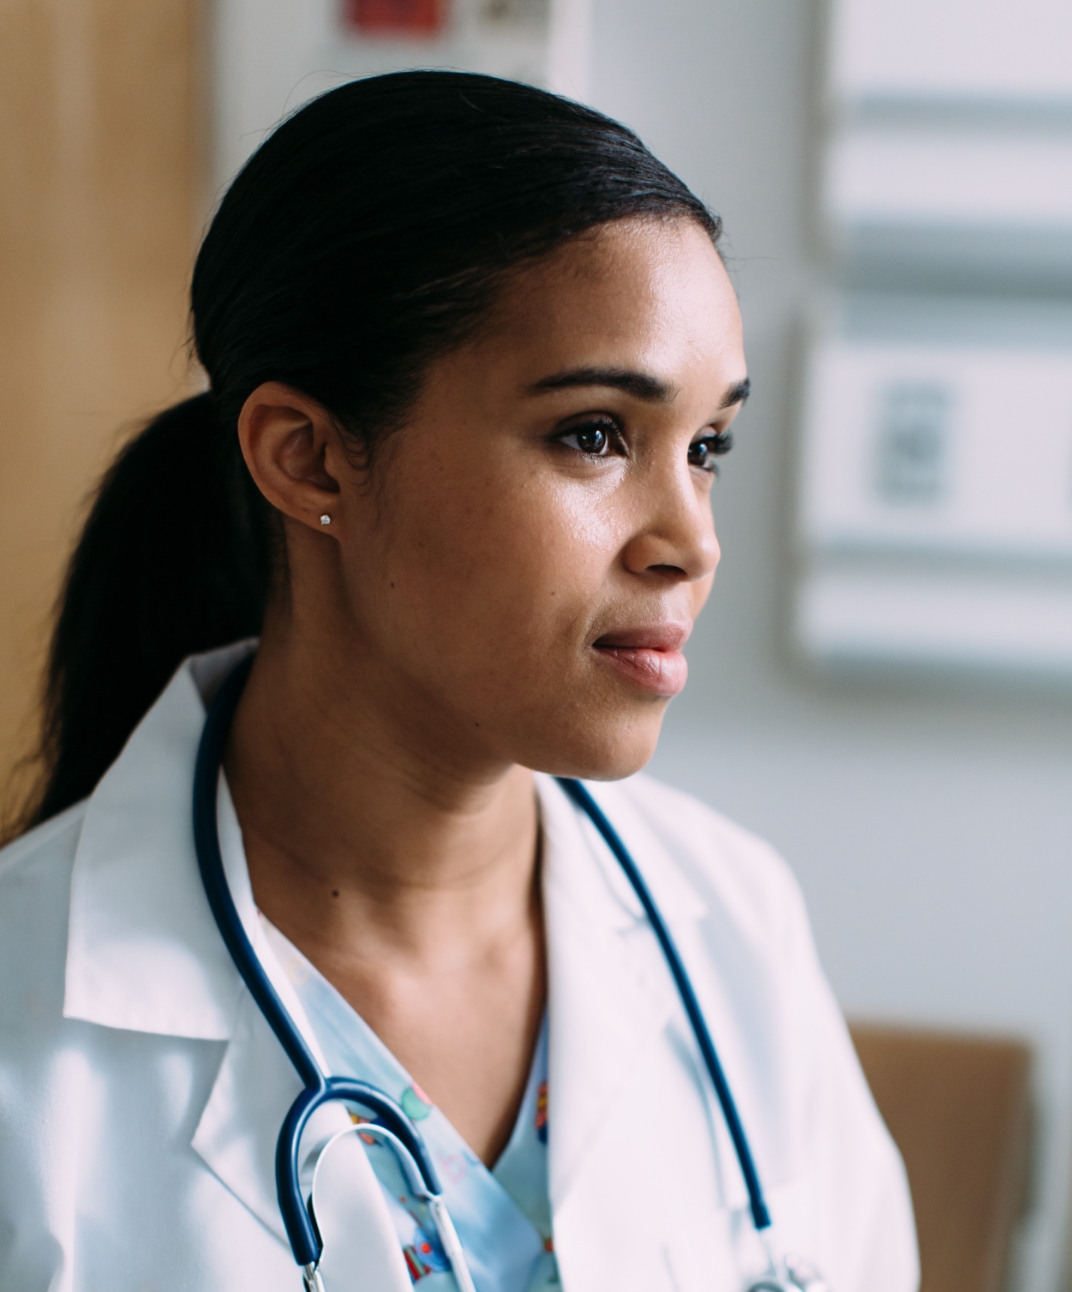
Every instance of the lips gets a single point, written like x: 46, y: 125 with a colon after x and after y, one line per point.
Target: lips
x: 650, y: 657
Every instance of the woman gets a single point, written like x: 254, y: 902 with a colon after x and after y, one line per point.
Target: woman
x: 472, y: 358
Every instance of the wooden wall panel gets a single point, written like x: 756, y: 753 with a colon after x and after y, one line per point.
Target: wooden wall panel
x: 100, y: 191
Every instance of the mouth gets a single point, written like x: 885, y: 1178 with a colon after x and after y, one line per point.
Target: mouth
x: 649, y: 657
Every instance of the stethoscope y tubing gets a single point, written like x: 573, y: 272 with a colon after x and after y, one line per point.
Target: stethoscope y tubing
x: 320, y: 1089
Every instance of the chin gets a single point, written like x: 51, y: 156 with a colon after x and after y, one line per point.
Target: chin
x: 602, y: 750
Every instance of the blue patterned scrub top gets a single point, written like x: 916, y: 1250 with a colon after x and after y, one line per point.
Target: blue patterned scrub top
x: 503, y: 1216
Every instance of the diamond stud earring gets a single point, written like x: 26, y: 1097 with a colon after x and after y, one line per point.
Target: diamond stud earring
x: 325, y: 519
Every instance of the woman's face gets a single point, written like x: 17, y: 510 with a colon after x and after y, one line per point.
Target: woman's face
x: 528, y: 558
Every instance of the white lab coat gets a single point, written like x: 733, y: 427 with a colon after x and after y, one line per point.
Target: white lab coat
x: 141, y: 1091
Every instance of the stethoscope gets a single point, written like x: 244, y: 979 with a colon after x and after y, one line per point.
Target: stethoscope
x: 392, y: 1126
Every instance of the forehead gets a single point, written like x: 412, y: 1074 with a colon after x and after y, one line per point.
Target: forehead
x: 648, y: 294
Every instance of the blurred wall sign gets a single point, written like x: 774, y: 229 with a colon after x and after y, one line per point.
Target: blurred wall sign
x: 912, y: 443
x: 936, y: 503
x: 421, y: 18
x: 939, y: 450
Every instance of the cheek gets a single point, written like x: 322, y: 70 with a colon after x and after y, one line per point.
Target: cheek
x: 499, y: 562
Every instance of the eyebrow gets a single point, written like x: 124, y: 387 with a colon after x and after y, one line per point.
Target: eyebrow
x: 737, y: 394
x: 641, y: 385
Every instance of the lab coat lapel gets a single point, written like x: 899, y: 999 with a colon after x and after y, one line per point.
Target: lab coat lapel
x: 143, y: 952
x: 646, y: 1188
x: 257, y: 1083
x: 610, y: 996
x: 611, y: 1003
x: 236, y: 1139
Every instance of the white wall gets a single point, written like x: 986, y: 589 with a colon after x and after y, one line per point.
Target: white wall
x: 930, y: 826
x: 270, y: 56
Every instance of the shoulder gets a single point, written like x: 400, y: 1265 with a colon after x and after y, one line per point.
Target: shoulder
x: 53, y: 840
x: 701, y: 833
x: 37, y: 862
x: 35, y: 886
x: 728, y: 866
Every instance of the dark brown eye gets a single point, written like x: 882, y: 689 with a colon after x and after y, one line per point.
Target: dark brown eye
x: 703, y: 452
x: 593, y: 438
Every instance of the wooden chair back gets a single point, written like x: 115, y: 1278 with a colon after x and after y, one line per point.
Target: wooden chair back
x: 958, y: 1108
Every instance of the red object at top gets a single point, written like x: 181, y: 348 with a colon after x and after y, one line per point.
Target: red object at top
x: 397, y: 17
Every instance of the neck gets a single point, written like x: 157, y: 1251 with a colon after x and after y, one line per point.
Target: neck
x: 366, y: 826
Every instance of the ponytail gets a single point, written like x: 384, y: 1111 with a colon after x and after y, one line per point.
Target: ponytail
x: 174, y: 559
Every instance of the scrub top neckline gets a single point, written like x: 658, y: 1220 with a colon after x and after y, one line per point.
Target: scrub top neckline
x: 502, y: 1214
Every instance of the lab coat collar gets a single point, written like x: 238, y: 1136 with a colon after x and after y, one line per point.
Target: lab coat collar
x: 143, y: 951
x: 609, y: 988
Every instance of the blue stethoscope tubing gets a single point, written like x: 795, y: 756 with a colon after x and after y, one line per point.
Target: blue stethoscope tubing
x: 298, y: 1220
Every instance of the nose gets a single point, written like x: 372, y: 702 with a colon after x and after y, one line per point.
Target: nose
x: 675, y: 537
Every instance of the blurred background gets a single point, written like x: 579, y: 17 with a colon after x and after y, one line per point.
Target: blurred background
x: 882, y: 685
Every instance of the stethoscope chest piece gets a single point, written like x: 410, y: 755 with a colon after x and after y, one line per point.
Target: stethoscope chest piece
x: 794, y: 1276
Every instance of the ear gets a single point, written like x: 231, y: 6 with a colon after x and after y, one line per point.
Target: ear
x: 291, y: 446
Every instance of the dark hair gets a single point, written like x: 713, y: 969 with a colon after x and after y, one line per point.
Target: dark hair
x: 368, y: 233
